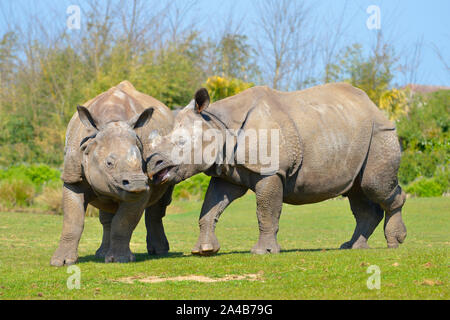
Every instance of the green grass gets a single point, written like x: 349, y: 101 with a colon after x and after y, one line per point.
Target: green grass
x: 309, y: 267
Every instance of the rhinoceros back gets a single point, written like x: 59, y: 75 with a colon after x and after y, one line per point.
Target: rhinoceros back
x: 324, y: 131
x: 336, y: 123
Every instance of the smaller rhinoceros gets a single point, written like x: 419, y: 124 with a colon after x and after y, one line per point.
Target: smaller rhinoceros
x: 106, y: 143
x: 324, y: 142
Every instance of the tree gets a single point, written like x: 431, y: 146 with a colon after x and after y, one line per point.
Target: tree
x: 394, y: 103
x: 49, y: 71
x: 412, y: 59
x: 8, y: 47
x: 372, y: 73
x: 440, y: 56
x: 284, y: 42
x: 235, y: 58
x: 221, y: 88
x: 329, y: 43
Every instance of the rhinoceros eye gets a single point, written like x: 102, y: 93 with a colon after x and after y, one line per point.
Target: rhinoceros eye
x: 110, y: 162
x: 181, y: 141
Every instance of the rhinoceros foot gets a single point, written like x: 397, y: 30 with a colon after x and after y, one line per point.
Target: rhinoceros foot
x: 157, y: 252
x: 63, y: 257
x: 394, y: 229
x: 157, y: 243
x: 396, y: 236
x: 206, y: 247
x: 122, y: 256
x: 266, y: 245
x: 101, y: 252
x: 346, y: 245
x: 361, y: 243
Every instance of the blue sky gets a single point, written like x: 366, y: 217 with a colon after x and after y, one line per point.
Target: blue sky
x: 407, y: 21
x: 402, y: 21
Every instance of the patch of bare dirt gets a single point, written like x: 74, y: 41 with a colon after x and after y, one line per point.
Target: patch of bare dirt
x: 429, y: 282
x: 198, y: 278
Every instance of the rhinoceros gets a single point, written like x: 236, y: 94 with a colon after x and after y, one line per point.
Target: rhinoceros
x: 106, y: 142
x: 328, y: 140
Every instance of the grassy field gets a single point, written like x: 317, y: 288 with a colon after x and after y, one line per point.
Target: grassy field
x: 309, y: 266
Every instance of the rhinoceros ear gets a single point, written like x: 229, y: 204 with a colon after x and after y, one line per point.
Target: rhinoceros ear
x: 201, y: 100
x: 142, y: 119
x: 86, y: 118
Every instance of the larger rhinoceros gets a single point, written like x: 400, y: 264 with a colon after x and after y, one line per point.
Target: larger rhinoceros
x: 106, y: 143
x: 325, y: 141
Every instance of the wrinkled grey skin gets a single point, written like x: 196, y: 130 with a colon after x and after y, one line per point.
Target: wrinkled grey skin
x: 333, y: 141
x: 103, y: 166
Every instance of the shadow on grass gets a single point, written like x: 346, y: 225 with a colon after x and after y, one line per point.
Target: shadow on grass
x: 282, y: 251
x: 141, y: 257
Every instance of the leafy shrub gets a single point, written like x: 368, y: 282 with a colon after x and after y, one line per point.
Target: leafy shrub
x: 442, y: 177
x: 425, y: 126
x: 37, y: 174
x: 415, y: 164
x: 51, y: 197
x: 20, y: 184
x: 394, y: 103
x: 16, y: 192
x: 192, y: 188
x: 431, y: 187
x: 222, y: 87
x: 40, y: 174
x: 425, y: 187
x: 425, y: 138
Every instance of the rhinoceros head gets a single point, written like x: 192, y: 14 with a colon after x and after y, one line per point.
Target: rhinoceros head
x: 112, y: 156
x: 179, y: 155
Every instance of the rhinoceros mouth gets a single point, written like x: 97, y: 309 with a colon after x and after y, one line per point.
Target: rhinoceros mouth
x: 162, y: 175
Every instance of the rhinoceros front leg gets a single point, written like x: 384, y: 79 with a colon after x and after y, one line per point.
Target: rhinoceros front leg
x: 269, y: 201
x: 74, y: 207
x: 156, y: 237
x: 219, y: 195
x: 123, y: 224
x: 105, y: 219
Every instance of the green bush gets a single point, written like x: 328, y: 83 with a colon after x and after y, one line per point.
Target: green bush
x: 50, y: 198
x: 192, y: 188
x: 442, y: 176
x: 36, y: 174
x: 16, y: 192
x: 425, y: 139
x: 425, y: 187
x: 41, y: 174
x: 21, y: 183
x: 431, y: 187
x: 415, y: 164
x: 425, y: 127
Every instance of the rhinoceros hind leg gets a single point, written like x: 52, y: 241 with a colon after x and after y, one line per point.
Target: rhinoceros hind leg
x: 367, y: 215
x: 157, y: 243
x: 394, y: 228
x: 269, y: 201
x: 380, y: 183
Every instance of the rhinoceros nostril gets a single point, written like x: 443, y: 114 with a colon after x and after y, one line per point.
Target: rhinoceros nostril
x: 125, y: 182
x: 158, y: 162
